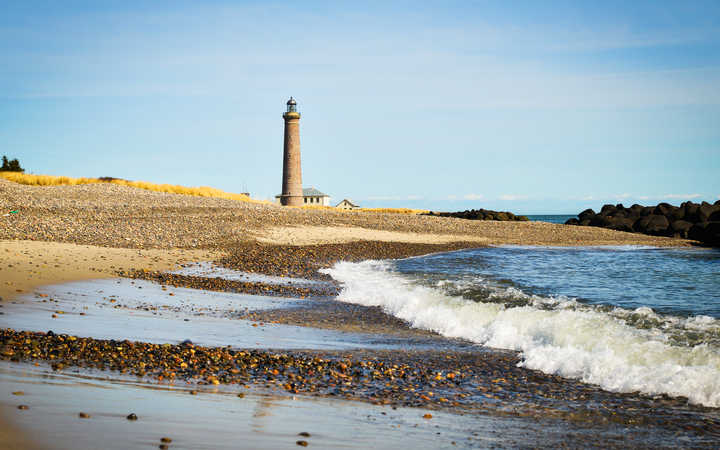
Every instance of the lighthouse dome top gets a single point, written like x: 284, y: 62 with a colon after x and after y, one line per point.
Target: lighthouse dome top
x: 292, y: 109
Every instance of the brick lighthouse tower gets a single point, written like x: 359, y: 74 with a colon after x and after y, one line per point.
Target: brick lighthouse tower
x: 292, y: 193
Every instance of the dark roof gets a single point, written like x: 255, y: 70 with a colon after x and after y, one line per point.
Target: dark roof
x: 349, y: 201
x: 312, y: 192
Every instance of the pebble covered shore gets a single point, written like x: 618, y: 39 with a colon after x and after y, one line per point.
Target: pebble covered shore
x: 117, y: 216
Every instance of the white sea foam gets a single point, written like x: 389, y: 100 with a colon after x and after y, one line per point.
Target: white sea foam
x: 568, y: 339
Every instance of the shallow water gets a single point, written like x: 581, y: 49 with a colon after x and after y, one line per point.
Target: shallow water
x: 140, y: 310
x: 625, y: 318
x: 208, y: 269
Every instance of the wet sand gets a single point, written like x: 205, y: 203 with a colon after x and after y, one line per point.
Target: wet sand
x: 218, y: 418
x: 25, y: 265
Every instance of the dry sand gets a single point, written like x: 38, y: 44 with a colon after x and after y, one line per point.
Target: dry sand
x: 314, y: 235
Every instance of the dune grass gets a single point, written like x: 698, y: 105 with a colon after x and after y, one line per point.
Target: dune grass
x: 393, y: 210
x: 52, y: 180
x: 202, y: 191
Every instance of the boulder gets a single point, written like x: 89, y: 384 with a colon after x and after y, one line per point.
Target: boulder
x: 705, y: 210
x: 663, y: 209
x: 653, y: 224
x: 587, y: 214
x: 646, y: 211
x: 600, y: 221
x: 608, y: 210
x: 698, y: 231
x: 572, y: 221
x: 680, y: 228
x: 714, y: 217
x: 712, y: 234
x: 691, y: 212
x: 621, y: 224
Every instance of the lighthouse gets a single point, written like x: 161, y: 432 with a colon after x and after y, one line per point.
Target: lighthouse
x: 292, y: 192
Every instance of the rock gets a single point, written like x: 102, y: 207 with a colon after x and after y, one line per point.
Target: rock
x: 572, y: 221
x: 691, y: 212
x: 166, y: 440
x: 712, y: 234
x: 608, y: 210
x: 601, y: 221
x: 664, y: 209
x: 588, y: 214
x: 715, y: 216
x: 698, y: 231
x: 705, y: 211
x: 680, y: 228
x: 132, y: 416
x: 302, y: 443
x: 584, y: 223
x: 304, y: 434
x: 621, y: 224
x: 83, y: 415
x: 653, y: 224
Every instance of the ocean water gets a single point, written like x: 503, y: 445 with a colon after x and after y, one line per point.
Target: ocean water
x: 552, y: 218
x: 625, y: 318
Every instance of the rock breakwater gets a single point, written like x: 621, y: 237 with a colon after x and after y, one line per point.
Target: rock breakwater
x: 481, y: 214
x: 697, y: 221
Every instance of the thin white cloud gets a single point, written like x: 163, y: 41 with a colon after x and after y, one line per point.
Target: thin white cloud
x: 473, y: 197
x: 513, y: 197
x: 395, y: 198
x: 681, y: 196
x: 451, y: 197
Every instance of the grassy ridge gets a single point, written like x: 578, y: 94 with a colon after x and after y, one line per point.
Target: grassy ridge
x: 51, y: 180
x: 202, y: 191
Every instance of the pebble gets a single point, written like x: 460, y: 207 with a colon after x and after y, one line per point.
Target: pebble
x: 23, y: 407
x: 302, y: 443
x: 166, y: 440
x: 304, y: 434
x: 83, y: 415
x: 132, y: 416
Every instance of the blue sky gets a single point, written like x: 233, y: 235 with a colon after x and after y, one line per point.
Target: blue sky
x: 529, y: 106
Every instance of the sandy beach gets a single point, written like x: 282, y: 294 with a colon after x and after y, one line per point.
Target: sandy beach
x: 146, y: 242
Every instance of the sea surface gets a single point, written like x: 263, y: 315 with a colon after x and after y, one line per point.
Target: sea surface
x: 626, y: 318
x: 552, y: 218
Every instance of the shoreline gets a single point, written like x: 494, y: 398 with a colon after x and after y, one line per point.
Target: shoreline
x: 623, y: 409
x: 67, y: 234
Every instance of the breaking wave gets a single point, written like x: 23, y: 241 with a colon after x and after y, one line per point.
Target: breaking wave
x: 618, y: 349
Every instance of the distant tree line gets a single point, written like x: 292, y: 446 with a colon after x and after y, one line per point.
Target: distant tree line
x: 12, y: 165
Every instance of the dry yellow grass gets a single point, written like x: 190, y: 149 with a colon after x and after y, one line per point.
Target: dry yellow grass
x: 393, y: 210
x: 51, y: 180
x: 376, y: 210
